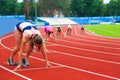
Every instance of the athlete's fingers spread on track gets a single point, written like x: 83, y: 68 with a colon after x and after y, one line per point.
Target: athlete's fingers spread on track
x: 47, y: 51
x: 48, y: 65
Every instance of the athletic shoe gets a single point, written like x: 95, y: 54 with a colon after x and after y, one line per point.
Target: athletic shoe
x: 11, y: 63
x: 25, y: 62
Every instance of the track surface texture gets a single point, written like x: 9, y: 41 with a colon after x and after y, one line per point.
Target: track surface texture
x: 81, y: 56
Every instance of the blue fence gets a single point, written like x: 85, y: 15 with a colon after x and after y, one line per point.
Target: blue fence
x: 7, y: 23
x: 95, y: 20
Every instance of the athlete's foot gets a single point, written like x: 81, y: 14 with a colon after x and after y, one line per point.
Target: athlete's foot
x: 25, y: 62
x: 11, y: 62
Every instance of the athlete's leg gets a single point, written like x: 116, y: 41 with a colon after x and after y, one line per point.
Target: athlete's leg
x: 47, y: 35
x: 18, y: 38
x: 67, y: 31
x: 70, y: 31
x: 26, y: 61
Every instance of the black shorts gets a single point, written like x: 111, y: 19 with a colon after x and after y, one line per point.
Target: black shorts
x: 49, y: 32
x: 18, y: 27
x: 82, y: 28
x: 58, y: 29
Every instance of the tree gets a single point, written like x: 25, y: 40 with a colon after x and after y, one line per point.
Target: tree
x: 77, y: 7
x: 82, y: 8
x: 32, y: 8
x: 86, y: 7
x: 10, y: 7
x: 98, y: 8
x: 26, y: 9
x: 111, y: 8
x: 47, y: 7
x: 118, y: 7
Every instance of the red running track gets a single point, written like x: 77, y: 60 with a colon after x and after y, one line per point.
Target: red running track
x: 82, y: 56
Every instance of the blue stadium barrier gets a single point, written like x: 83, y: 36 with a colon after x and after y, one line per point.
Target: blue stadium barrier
x: 7, y: 23
x: 95, y: 20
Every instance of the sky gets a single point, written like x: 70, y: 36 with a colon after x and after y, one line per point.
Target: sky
x: 20, y: 0
x: 105, y: 1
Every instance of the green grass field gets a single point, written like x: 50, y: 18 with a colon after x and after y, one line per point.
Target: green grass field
x: 112, y: 30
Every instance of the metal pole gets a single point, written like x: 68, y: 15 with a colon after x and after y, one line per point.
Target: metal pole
x: 35, y: 1
x: 35, y: 11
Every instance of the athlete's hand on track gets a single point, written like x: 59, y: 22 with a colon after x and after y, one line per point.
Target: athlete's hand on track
x: 18, y: 67
x: 48, y: 65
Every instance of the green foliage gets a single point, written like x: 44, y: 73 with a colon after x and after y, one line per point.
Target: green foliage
x: 10, y: 7
x: 47, y: 7
x: 94, y: 8
x: 78, y: 8
x: 111, y: 8
x: 86, y: 7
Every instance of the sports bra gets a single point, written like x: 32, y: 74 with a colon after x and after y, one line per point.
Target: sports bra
x: 28, y: 26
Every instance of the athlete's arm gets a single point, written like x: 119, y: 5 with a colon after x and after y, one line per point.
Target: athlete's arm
x: 43, y: 50
x: 22, y: 46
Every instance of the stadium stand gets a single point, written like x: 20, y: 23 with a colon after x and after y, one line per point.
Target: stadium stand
x: 57, y: 21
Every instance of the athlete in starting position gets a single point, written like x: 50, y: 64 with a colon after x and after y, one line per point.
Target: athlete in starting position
x: 26, y: 32
x: 48, y: 31
x: 69, y: 30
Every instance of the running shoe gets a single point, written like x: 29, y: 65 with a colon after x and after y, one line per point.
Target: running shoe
x: 11, y: 62
x: 25, y: 62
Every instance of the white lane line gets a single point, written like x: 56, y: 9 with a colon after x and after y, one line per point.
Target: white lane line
x: 83, y: 56
x: 77, y: 55
x: 102, y: 42
x: 89, y: 44
x: 101, y: 60
x: 105, y: 38
x: 7, y: 68
x: 115, y: 54
x: 40, y: 68
x: 105, y: 52
x: 15, y: 73
x: 91, y: 40
x: 5, y: 38
x: 93, y: 34
x: 77, y: 69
